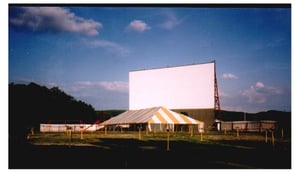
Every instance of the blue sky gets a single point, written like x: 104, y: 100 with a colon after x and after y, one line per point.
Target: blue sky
x: 88, y: 51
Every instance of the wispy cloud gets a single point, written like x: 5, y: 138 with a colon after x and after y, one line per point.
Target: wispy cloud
x: 259, y: 93
x: 115, y: 86
x: 51, y: 19
x: 101, y: 94
x: 112, y: 47
x: 222, y: 94
x: 229, y: 76
x: 118, y: 86
x: 138, y: 26
x: 171, y: 20
x: 278, y: 66
x: 267, y: 44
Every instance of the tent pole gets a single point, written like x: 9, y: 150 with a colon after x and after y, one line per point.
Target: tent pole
x: 140, y: 134
x: 147, y: 129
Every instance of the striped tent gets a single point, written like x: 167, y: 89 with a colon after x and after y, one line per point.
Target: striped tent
x: 156, y: 118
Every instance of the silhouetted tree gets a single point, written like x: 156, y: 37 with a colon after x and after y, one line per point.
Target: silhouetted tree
x: 32, y: 104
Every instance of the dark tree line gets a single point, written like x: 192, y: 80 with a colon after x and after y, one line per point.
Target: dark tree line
x: 282, y: 118
x: 32, y: 104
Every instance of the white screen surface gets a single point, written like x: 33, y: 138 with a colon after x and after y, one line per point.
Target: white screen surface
x: 182, y: 87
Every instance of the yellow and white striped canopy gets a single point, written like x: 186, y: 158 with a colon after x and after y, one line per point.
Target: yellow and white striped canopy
x: 155, y: 115
x: 165, y: 116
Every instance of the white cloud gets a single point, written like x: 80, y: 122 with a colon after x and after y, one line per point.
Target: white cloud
x: 138, y: 25
x: 116, y: 86
x: 260, y: 93
x: 53, y: 19
x: 254, y: 96
x: 223, y: 94
x: 110, y: 46
x: 259, y: 85
x: 171, y: 21
x: 94, y: 88
x: 229, y: 76
x: 100, y: 94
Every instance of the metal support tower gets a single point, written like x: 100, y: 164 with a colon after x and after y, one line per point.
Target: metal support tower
x: 217, y: 100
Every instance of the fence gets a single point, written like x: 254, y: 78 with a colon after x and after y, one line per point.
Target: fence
x: 255, y: 126
x: 64, y: 127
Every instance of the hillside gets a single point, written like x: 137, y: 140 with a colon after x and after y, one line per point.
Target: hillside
x: 283, y: 118
x: 103, y: 115
x: 266, y: 115
x: 32, y: 104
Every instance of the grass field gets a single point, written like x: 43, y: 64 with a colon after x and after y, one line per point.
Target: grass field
x: 134, y: 150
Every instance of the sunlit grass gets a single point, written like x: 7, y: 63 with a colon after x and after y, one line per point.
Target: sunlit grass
x: 216, y: 149
x: 95, y: 138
